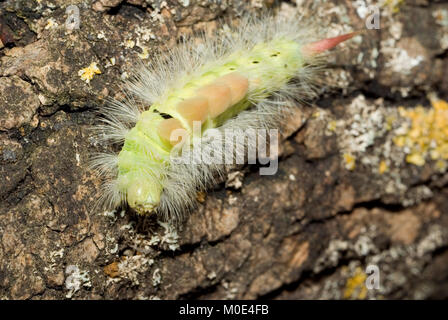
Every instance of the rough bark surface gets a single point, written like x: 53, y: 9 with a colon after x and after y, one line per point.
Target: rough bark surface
x: 347, y: 195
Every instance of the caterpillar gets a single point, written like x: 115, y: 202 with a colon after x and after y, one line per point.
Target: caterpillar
x: 248, y: 77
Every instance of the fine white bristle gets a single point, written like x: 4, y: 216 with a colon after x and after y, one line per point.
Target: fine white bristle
x: 105, y: 164
x: 111, y: 196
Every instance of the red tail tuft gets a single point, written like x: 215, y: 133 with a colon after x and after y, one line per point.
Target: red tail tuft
x: 317, y: 47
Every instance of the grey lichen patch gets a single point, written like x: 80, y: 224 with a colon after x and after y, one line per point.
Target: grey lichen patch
x: 399, y: 262
x: 366, y: 122
x: 11, y: 150
x: 18, y: 103
x: 364, y: 132
x: 407, y: 55
x: 342, y: 249
x: 137, y: 260
x: 129, y: 268
x: 441, y: 18
x: 13, y: 163
x: 76, y: 279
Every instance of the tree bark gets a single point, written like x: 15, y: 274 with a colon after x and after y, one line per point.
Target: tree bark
x: 346, y: 196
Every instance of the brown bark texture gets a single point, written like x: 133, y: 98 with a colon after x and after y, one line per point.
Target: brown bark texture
x: 358, y: 183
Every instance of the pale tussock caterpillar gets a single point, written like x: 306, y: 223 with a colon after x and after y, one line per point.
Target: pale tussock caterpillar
x: 247, y: 77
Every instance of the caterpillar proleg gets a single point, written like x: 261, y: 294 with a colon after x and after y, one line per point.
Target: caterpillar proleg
x: 246, y: 77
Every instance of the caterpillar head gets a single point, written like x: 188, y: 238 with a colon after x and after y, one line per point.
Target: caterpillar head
x: 142, y: 195
x: 141, y: 162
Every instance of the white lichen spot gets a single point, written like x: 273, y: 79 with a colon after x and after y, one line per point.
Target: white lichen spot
x: 432, y: 241
x: 110, y: 214
x: 396, y: 30
x: 155, y: 240
x: 365, y: 125
x: 332, y: 254
x: 57, y: 253
x: 232, y: 200
x: 257, y: 3
x: 362, y: 8
x: 114, y: 249
x: 235, y: 180
x: 55, y: 256
x: 156, y: 278
x: 185, y: 3
x: 51, y: 24
x: 144, y: 33
x: 101, y: 35
x: 78, y: 159
x: 400, y: 61
x: 124, y: 75
x: 130, y: 267
x: 441, y: 17
x: 75, y: 280
x: 129, y: 43
x: 444, y: 41
x: 364, y: 246
x: 170, y: 237
x: 211, y: 275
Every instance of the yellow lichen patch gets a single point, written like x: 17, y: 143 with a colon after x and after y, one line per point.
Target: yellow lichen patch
x: 383, y: 167
x: 393, y: 5
x: 129, y: 43
x: 400, y: 141
x: 144, y: 54
x: 441, y: 165
x: 415, y: 158
x: 355, y: 287
x: 349, y: 161
x: 87, y: 73
x: 332, y: 125
x: 426, y: 136
x: 389, y: 122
